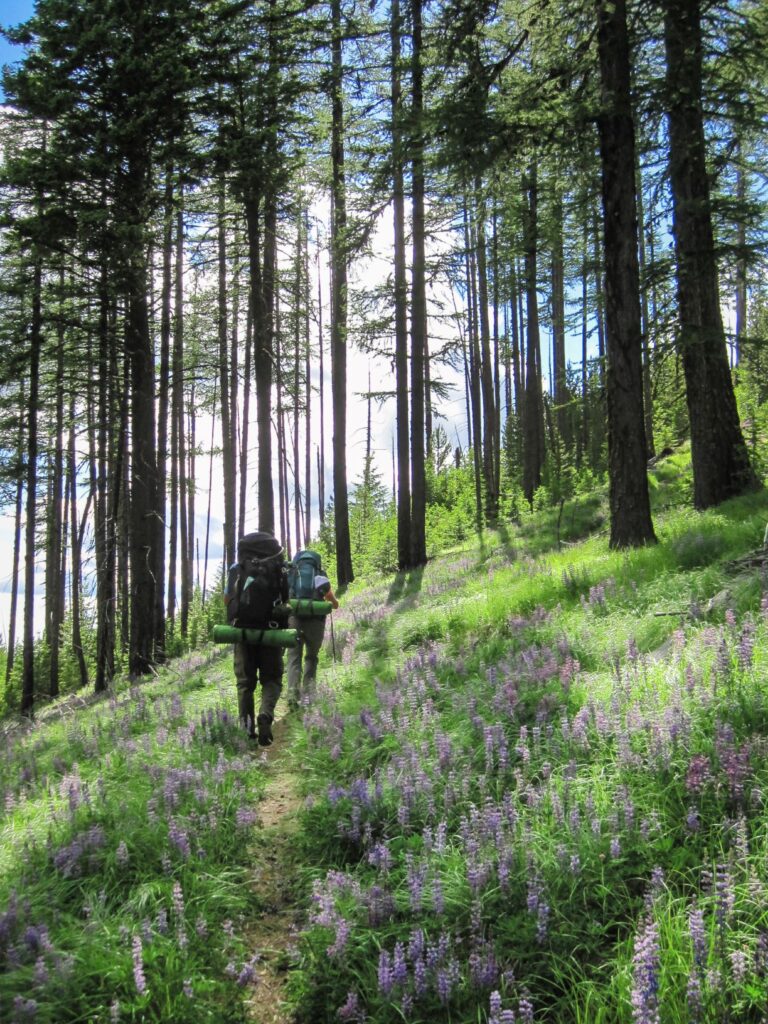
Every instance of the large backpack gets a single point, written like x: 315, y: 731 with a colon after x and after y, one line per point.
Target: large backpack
x: 301, y: 574
x: 259, y: 587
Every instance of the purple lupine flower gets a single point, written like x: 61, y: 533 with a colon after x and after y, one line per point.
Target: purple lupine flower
x: 645, y: 974
x: 178, y: 900
x: 692, y: 821
x: 525, y: 1011
x: 24, y: 1009
x: 187, y: 988
x: 247, y: 975
x: 121, y: 854
x: 443, y: 985
x: 698, y: 936
x: 694, y: 996
x: 438, y: 898
x: 725, y: 895
x: 699, y: 773
x: 419, y: 976
x: 351, y: 1009
x: 201, y: 927
x: 343, y: 929
x: 399, y: 966
x: 739, y: 965
x: 138, y: 966
x: 41, y: 971
x: 615, y: 848
x: 114, y: 1011
x: 386, y: 980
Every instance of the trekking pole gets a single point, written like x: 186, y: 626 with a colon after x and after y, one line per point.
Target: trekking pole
x: 333, y: 639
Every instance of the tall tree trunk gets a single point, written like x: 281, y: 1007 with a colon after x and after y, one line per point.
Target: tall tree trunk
x: 740, y: 298
x: 473, y: 374
x: 344, y: 571
x: 54, y: 583
x: 163, y: 406
x: 321, y: 389
x: 560, y: 390
x: 630, y: 505
x: 35, y: 346
x: 225, y: 389
x: 644, y: 314
x: 533, y: 409
x: 400, y: 299
x: 108, y: 468
x: 418, y: 297
x: 246, y: 412
x: 18, y: 510
x: 76, y: 533
x: 585, y: 424
x: 721, y: 466
x: 486, y: 366
x: 297, y: 353
x: 144, y: 520
x: 307, y: 387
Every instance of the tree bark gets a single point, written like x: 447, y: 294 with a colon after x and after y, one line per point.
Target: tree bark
x: 225, y: 390
x: 35, y: 345
x: 721, y: 465
x: 533, y: 409
x: 344, y: 570
x: 631, y: 523
x: 400, y: 299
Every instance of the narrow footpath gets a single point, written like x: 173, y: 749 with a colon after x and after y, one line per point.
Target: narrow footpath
x: 272, y: 933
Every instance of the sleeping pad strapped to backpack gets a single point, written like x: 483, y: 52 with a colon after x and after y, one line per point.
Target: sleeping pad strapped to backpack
x: 260, y: 587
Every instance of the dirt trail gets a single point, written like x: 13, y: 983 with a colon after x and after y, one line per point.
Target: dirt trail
x: 272, y: 933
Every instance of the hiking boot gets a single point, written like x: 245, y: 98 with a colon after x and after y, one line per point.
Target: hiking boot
x: 264, y: 724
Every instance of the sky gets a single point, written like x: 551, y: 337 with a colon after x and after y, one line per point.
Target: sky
x: 12, y: 13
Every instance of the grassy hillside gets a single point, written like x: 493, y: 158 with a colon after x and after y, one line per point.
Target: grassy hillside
x: 534, y: 787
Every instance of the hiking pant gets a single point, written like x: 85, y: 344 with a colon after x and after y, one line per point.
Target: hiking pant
x: 257, y: 664
x: 307, y: 650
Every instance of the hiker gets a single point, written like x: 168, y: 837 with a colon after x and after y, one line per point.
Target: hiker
x: 256, y: 594
x: 306, y: 581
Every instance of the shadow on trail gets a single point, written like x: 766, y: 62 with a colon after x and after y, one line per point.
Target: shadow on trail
x: 405, y: 587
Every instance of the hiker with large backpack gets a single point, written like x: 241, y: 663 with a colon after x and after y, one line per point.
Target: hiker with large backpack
x: 256, y: 598
x: 306, y: 582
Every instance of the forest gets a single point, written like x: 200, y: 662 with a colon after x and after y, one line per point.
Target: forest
x: 574, y: 195
x: 531, y: 236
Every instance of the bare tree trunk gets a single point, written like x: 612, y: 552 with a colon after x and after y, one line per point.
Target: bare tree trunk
x: 245, y: 429
x: 344, y: 570
x: 473, y: 375
x: 400, y: 299
x: 418, y: 298
x: 163, y: 408
x: 308, y: 387
x: 105, y: 526
x: 631, y: 524
x: 35, y: 345
x: 225, y: 387
x: 560, y: 390
x: 644, y: 314
x: 18, y: 509
x: 486, y: 366
x: 533, y: 412
x: 76, y: 532
x: 721, y: 465
x: 297, y: 326
x: 54, y: 583
x: 321, y: 346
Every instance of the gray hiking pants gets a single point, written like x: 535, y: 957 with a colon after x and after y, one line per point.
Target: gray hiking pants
x: 306, y: 651
x: 257, y: 664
